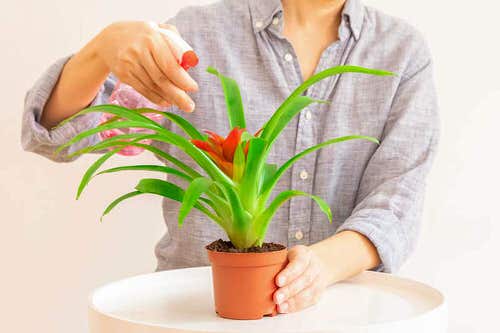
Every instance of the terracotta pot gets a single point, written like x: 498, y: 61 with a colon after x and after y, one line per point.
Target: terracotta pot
x: 244, y: 283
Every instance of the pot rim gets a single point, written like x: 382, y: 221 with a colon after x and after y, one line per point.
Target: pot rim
x: 247, y: 259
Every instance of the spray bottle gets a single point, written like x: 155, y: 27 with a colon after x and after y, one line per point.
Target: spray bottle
x: 126, y: 96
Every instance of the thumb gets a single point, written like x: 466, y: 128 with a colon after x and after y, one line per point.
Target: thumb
x: 183, y: 52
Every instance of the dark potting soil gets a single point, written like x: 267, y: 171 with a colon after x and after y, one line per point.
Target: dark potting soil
x: 226, y: 246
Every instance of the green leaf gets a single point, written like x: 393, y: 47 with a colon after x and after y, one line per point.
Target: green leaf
x: 121, y: 112
x: 109, y: 126
x: 268, y: 129
x: 268, y: 172
x: 111, y: 143
x: 269, y: 185
x: 273, y: 128
x: 238, y: 163
x: 119, y: 200
x: 245, y: 136
x: 240, y: 218
x: 203, y: 160
x: 194, y: 191
x: 161, y: 154
x: 116, y: 110
x: 185, y: 125
x: 163, y: 135
x: 99, y: 162
x: 93, y: 168
x: 263, y: 220
x: 249, y: 184
x: 335, y: 71
x: 118, y: 141
x: 235, y: 112
x: 170, y: 191
x: 154, y: 168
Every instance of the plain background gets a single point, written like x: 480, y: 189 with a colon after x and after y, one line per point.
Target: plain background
x: 54, y: 251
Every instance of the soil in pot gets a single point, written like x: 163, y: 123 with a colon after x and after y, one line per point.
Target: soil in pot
x: 226, y: 246
x: 244, y: 280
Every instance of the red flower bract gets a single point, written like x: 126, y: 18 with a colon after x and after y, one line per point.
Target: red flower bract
x: 221, y: 150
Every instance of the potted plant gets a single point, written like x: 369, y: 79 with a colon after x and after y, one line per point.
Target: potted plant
x: 232, y: 187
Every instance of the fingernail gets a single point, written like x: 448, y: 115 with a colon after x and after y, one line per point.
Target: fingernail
x: 281, y: 281
x: 280, y: 298
x: 283, y: 308
x: 196, y: 87
x: 191, y: 106
x: 193, y: 88
x: 193, y: 85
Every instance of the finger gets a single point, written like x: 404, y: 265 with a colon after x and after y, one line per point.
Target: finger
x: 298, y: 257
x: 174, y: 47
x: 140, y: 72
x: 169, y: 90
x: 169, y: 65
x: 135, y: 82
x: 304, y: 281
x: 302, y: 300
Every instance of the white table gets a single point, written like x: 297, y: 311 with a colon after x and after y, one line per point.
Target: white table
x: 181, y: 301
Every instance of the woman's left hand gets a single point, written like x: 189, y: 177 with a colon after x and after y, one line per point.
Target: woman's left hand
x: 301, y: 282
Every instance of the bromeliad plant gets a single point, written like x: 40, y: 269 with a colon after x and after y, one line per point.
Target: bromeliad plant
x: 235, y: 182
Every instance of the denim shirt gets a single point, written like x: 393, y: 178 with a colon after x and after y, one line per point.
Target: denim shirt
x: 376, y: 190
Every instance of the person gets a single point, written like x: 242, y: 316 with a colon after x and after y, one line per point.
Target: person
x: 269, y: 47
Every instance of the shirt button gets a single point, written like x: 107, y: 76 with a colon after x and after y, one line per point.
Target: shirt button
x: 259, y: 24
x: 288, y: 57
x: 303, y: 175
x: 299, y: 235
x: 276, y: 21
x: 308, y: 115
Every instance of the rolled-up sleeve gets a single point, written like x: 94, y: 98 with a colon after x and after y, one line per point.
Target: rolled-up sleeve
x: 389, y: 201
x: 36, y: 138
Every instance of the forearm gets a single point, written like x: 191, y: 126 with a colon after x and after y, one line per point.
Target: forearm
x: 345, y: 255
x: 78, y: 85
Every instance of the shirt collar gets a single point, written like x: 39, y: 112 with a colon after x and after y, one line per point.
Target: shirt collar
x: 262, y: 13
x: 353, y: 15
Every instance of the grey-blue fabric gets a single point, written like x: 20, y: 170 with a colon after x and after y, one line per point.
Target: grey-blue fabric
x: 376, y: 190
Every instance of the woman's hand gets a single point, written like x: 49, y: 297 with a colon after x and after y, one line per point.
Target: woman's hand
x: 311, y: 269
x: 142, y: 57
x: 301, y: 282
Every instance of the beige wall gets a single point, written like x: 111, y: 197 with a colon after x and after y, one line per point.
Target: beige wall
x: 53, y: 252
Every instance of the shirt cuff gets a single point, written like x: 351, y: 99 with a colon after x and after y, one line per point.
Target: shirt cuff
x: 387, y: 237
x: 36, y: 137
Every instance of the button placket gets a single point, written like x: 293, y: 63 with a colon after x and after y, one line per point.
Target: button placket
x: 302, y: 171
x: 300, y: 208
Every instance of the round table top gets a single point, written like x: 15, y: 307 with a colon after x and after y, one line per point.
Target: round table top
x: 181, y: 301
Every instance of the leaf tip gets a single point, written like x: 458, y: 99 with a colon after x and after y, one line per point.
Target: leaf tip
x: 212, y: 70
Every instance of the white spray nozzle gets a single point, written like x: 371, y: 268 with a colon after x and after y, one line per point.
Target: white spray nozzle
x: 183, y: 52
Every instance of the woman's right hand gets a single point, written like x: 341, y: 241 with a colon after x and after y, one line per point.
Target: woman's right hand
x: 143, y: 58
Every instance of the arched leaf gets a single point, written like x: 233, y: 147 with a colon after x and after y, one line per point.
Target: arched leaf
x: 154, y: 168
x: 113, y: 204
x: 235, y: 112
x: 193, y: 192
x: 262, y: 221
x: 269, y: 185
